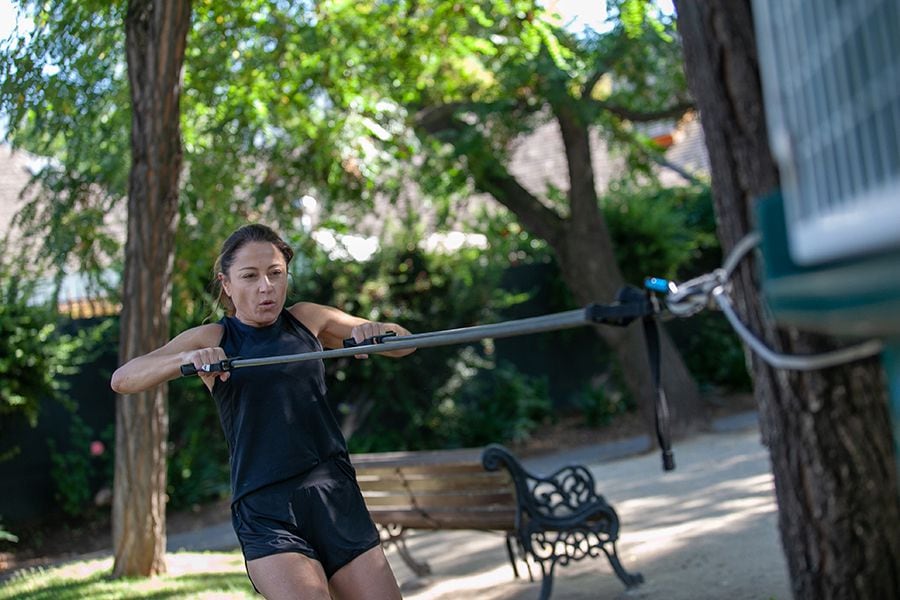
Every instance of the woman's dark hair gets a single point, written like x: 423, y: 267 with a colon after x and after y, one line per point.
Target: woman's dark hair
x: 248, y: 233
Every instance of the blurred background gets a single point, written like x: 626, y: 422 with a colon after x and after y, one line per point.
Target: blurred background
x: 440, y: 164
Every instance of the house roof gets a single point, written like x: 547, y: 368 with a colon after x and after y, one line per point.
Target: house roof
x: 539, y: 160
x: 76, y: 299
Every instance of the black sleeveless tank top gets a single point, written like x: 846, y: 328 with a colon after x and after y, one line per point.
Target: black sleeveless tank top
x: 276, y: 418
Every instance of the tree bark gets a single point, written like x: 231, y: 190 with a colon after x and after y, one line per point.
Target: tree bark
x: 592, y: 273
x: 156, y: 33
x: 828, y: 431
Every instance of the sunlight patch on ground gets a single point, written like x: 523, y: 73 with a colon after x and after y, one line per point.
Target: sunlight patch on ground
x: 204, y: 562
x: 207, y: 576
x: 465, y: 585
x: 680, y: 522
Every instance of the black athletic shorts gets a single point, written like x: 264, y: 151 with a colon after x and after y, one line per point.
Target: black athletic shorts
x: 320, y: 514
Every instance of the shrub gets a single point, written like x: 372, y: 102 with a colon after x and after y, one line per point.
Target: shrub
x: 497, y: 405
x: 198, y: 455
x: 83, y: 467
x: 424, y: 292
x: 600, y: 404
x: 660, y: 231
x: 6, y: 536
x: 35, y: 356
x: 671, y: 233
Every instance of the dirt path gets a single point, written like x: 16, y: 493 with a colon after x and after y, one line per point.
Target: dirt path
x: 706, y: 530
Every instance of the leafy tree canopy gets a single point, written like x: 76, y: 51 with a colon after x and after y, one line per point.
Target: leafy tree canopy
x: 287, y: 98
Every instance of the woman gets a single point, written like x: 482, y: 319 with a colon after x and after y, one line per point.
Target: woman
x: 296, y: 507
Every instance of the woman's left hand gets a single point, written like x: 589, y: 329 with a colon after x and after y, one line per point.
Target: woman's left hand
x: 371, y: 329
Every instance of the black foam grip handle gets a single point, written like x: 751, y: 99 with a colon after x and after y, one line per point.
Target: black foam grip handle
x: 375, y: 339
x: 188, y: 370
x: 218, y: 367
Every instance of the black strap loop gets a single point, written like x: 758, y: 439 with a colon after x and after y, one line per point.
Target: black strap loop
x: 663, y: 434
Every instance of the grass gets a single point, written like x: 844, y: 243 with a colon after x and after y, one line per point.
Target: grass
x: 201, y: 575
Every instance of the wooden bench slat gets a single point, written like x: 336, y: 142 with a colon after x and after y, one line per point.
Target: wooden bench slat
x: 379, y: 470
x: 441, y: 458
x: 485, y: 481
x: 428, y: 501
x: 501, y: 519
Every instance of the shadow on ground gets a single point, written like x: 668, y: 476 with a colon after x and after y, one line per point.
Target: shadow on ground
x: 706, y: 530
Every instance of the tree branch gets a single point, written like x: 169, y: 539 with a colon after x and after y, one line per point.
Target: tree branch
x: 638, y: 116
x: 662, y: 161
x: 654, y: 155
x: 436, y: 119
x: 490, y: 175
x: 604, y: 65
x: 534, y: 215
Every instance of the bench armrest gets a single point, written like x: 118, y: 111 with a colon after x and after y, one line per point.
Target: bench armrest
x: 564, y: 500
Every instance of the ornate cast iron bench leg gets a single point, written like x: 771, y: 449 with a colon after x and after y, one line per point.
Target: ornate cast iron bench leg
x: 629, y: 579
x: 546, y: 582
x: 511, y: 554
x: 560, y: 518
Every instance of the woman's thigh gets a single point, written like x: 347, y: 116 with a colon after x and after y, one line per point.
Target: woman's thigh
x: 366, y: 577
x: 289, y: 576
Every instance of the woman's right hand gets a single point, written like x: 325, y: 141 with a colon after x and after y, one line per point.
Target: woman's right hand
x: 208, y: 356
x: 195, y: 346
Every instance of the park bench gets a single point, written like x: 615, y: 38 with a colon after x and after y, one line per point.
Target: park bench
x: 551, y: 520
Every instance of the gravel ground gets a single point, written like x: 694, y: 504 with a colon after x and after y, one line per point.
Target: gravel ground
x: 706, y: 530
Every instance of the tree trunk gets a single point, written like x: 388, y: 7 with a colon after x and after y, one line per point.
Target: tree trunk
x: 156, y: 32
x: 583, y: 248
x: 828, y: 432
x: 588, y: 265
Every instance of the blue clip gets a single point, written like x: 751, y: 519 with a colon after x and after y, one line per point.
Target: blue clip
x: 657, y: 284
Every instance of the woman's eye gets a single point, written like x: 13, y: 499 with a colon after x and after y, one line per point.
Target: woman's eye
x: 248, y: 276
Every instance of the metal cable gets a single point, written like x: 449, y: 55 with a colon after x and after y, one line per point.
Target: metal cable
x: 711, y: 290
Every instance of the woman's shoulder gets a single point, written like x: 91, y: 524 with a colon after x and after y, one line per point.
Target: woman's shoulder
x: 207, y: 335
x: 312, y: 315
x: 315, y: 317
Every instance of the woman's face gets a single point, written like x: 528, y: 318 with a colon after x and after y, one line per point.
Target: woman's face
x: 256, y: 282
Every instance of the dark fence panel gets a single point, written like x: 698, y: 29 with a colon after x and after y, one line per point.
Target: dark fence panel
x: 569, y: 359
x: 29, y: 492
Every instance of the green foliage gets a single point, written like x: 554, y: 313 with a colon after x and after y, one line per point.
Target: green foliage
x: 600, y: 404
x: 670, y: 233
x: 198, y: 455
x: 422, y: 291
x: 64, y: 90
x: 712, y: 351
x: 34, y: 356
x: 659, y: 231
x: 495, y: 405
x: 82, y: 468
x: 6, y: 536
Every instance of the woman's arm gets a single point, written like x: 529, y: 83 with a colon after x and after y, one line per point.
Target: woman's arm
x: 198, y: 346
x: 333, y: 326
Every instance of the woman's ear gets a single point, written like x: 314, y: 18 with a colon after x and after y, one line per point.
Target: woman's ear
x: 223, y: 281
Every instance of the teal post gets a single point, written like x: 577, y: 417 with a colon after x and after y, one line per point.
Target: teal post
x: 891, y: 360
